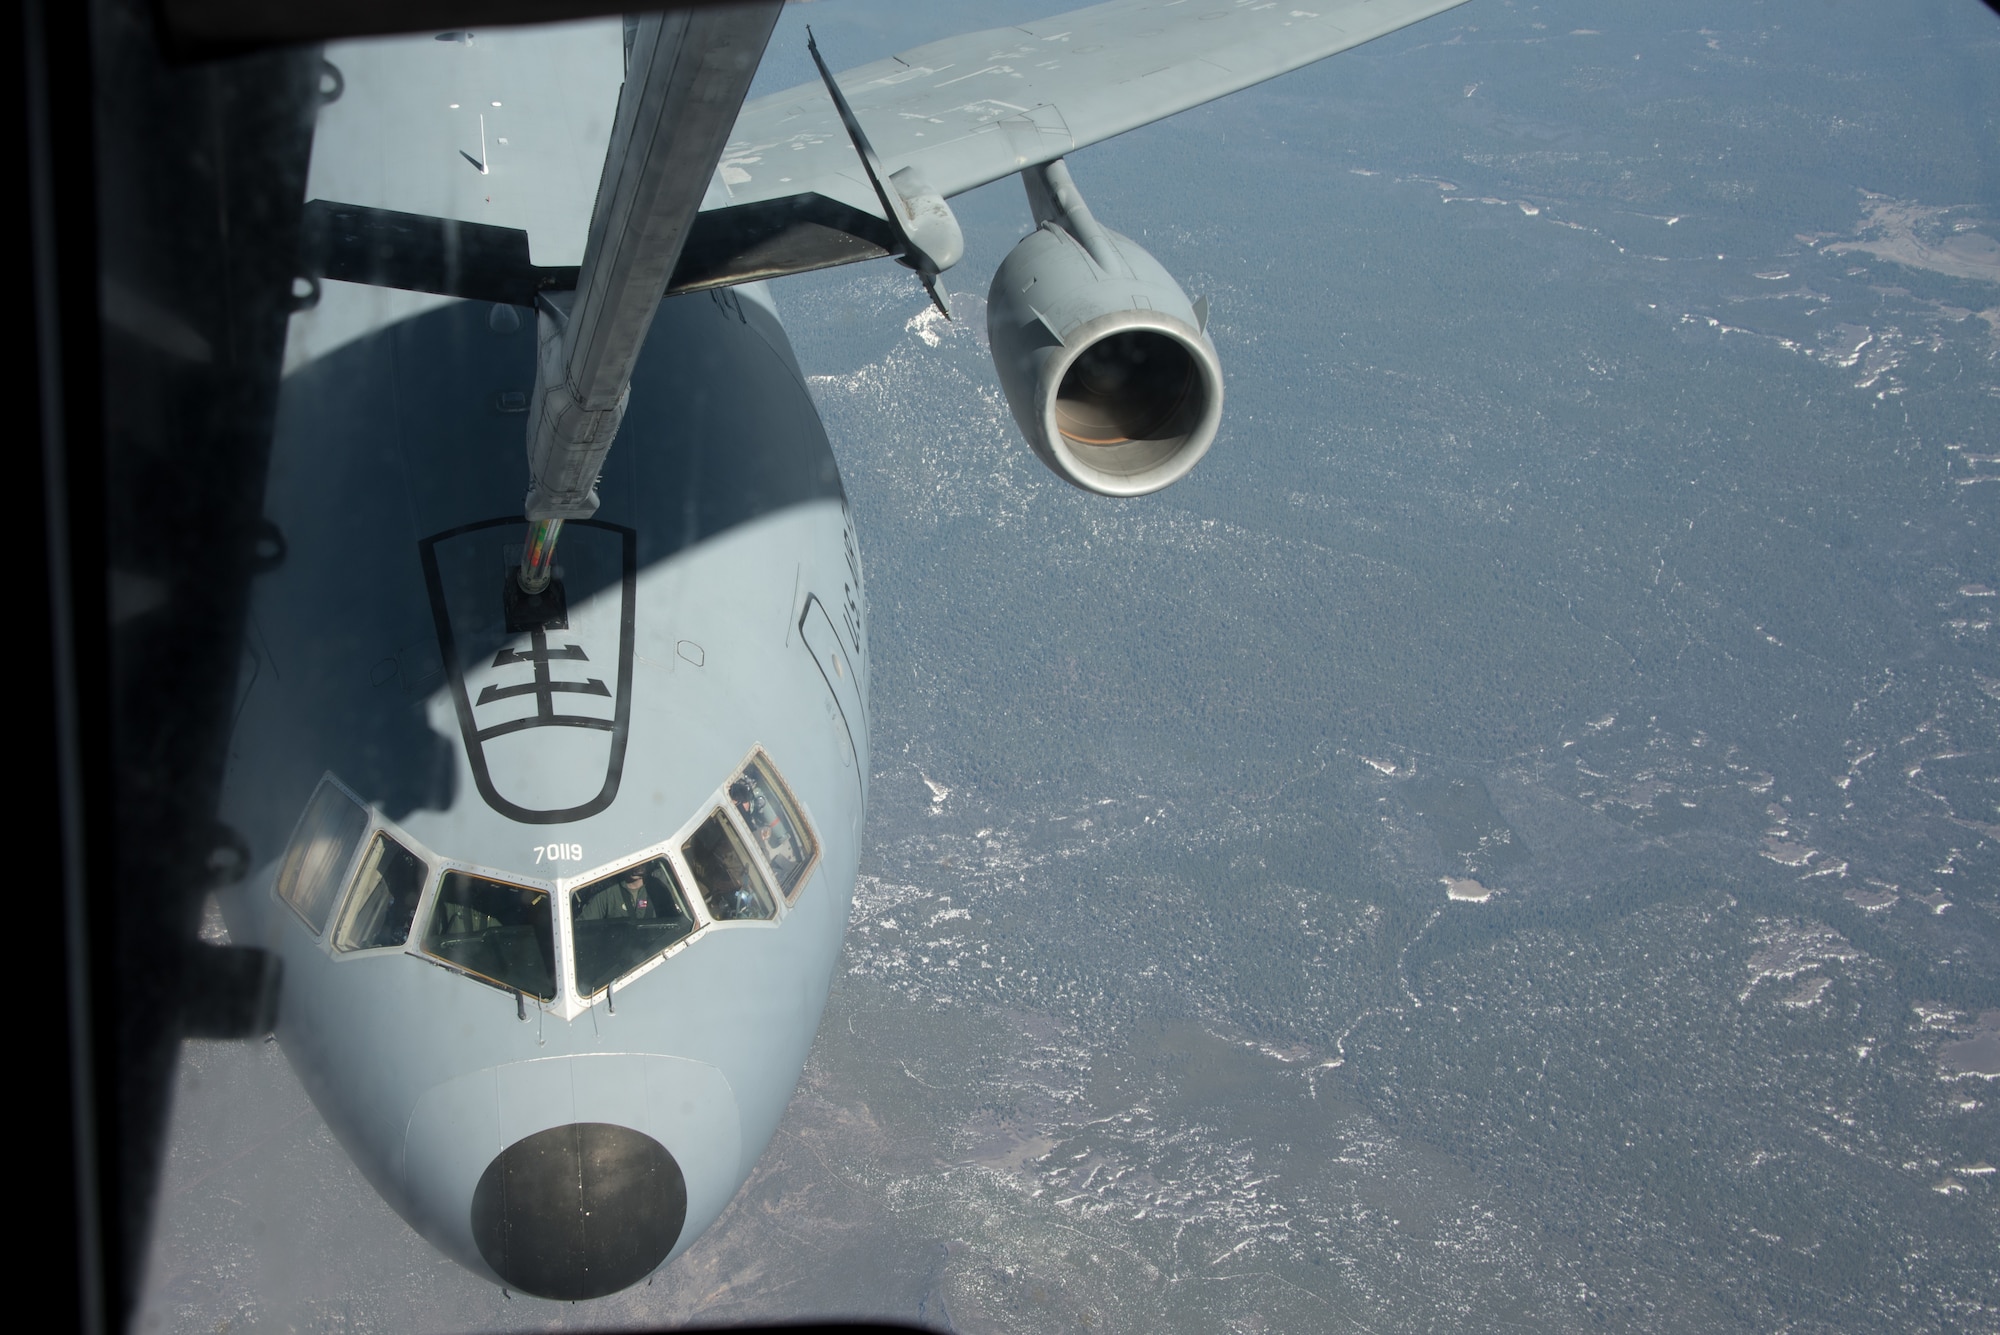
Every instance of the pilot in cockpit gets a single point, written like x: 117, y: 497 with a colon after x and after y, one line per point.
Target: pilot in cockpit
x: 627, y: 897
x: 746, y: 800
x: 757, y: 814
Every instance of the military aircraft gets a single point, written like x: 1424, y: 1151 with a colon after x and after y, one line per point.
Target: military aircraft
x: 557, y: 801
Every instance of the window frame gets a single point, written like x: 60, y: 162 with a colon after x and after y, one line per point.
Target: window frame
x: 380, y: 827
x: 697, y: 911
x: 798, y: 809
x: 570, y: 1000
x: 368, y: 813
x: 719, y: 802
x: 558, y: 935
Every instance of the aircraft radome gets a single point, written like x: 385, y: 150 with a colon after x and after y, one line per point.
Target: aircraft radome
x: 557, y: 802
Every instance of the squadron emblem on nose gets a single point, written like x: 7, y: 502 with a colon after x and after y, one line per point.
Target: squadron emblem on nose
x: 544, y: 733
x: 544, y: 687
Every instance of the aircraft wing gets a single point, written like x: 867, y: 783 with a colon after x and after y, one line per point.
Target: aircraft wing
x: 790, y: 193
x: 972, y: 109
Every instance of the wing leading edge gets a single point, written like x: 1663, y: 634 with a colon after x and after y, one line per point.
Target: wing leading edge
x: 969, y: 110
x: 972, y: 109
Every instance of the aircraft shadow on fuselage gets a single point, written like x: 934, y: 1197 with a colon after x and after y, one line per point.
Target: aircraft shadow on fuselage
x: 420, y: 428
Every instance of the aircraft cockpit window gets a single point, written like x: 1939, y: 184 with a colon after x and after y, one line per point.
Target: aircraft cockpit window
x: 502, y: 933
x: 774, y: 823
x: 723, y: 869
x: 383, y: 902
x: 624, y: 920
x: 314, y: 865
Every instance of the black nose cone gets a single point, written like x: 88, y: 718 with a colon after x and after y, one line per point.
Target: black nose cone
x: 579, y: 1211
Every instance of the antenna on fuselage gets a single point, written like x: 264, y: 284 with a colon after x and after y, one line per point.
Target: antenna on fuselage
x: 687, y: 74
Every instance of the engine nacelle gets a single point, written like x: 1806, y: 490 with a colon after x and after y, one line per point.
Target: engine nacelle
x: 1102, y: 357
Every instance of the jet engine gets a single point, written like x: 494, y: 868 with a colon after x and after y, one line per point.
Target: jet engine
x: 1104, y: 360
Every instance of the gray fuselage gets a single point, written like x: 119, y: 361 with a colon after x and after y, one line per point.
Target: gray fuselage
x: 715, y: 615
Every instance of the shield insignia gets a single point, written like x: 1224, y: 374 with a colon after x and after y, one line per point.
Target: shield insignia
x: 543, y: 713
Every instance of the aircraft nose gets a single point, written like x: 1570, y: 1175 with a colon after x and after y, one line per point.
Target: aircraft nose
x: 572, y: 1176
x: 579, y: 1211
